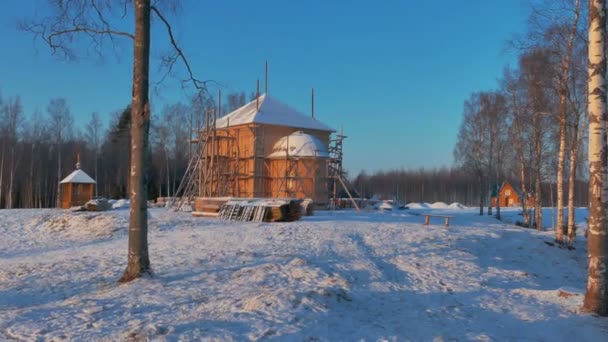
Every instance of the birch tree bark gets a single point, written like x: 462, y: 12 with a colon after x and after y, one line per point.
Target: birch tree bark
x: 138, y: 260
x: 596, y: 297
x: 563, y: 114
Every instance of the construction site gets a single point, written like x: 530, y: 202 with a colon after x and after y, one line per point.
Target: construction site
x: 264, y: 154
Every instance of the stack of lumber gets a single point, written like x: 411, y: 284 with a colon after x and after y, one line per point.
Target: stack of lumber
x: 208, y: 206
x: 261, y: 209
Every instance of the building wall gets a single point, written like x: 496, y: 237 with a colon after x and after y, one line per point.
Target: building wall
x: 508, y: 197
x: 298, y: 178
x: 75, y: 194
x: 241, y: 151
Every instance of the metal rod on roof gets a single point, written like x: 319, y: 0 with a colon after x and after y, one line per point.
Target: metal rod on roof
x: 312, y: 100
x: 266, y: 82
x: 257, y: 97
x: 219, y: 102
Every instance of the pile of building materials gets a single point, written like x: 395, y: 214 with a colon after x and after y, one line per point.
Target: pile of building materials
x: 209, y: 206
x: 261, y: 210
x: 251, y: 209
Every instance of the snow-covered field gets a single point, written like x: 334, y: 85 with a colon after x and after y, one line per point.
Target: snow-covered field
x: 337, y: 276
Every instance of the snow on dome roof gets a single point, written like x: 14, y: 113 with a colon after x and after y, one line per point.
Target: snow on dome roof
x: 299, y: 144
x: 78, y: 176
x: 271, y: 112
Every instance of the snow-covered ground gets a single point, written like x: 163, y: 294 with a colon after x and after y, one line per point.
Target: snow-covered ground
x: 336, y: 276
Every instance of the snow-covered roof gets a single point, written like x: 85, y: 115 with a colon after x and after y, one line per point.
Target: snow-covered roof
x: 271, y: 112
x: 78, y: 176
x: 299, y: 144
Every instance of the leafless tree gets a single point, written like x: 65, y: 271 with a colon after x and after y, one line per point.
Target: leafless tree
x: 60, y: 124
x: 470, y: 151
x: 92, y: 19
x: 518, y: 134
x: 93, y: 135
x: 535, y: 72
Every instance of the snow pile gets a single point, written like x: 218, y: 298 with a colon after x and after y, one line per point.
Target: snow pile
x: 439, y: 205
x: 76, y: 225
x: 415, y: 205
x: 119, y: 204
x: 384, y: 206
x: 456, y: 205
x: 335, y: 276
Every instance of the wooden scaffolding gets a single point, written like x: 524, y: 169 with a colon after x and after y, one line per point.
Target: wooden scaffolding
x: 336, y: 172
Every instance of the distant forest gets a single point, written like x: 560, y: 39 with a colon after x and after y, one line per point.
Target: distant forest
x: 447, y: 185
x: 40, y: 149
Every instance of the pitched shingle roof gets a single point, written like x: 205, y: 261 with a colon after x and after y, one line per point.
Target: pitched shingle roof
x: 271, y: 112
x: 78, y: 176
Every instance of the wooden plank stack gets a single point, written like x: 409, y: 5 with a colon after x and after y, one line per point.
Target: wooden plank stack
x: 208, y: 206
x: 260, y: 209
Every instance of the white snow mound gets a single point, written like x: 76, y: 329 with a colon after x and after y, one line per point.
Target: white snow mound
x: 457, y: 205
x: 119, y: 204
x: 76, y: 225
x: 415, y: 205
x: 439, y: 205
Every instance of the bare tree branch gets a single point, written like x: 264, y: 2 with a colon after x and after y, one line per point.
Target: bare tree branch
x: 72, y: 18
x: 198, y: 84
x: 76, y: 29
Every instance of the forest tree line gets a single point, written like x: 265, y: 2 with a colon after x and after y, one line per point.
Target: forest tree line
x: 444, y: 184
x: 529, y: 130
x: 39, y: 149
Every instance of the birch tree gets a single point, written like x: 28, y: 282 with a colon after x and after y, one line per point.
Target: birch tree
x: 563, y: 88
x: 13, y: 112
x: 536, y: 80
x: 2, y: 146
x: 579, y: 117
x: 519, y: 134
x: 470, y: 150
x: 596, y: 297
x: 93, y: 136
x: 92, y: 19
x: 60, y: 124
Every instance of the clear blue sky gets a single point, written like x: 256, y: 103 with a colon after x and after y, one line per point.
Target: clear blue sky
x: 393, y: 74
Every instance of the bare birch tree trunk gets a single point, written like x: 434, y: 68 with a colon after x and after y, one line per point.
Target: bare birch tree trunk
x: 31, y: 193
x: 58, y: 204
x: 571, y: 183
x: 538, y: 214
x: 11, y: 182
x: 481, y: 194
x: 577, y: 143
x: 1, y: 175
x: 596, y: 297
x: 563, y: 113
x: 139, y: 262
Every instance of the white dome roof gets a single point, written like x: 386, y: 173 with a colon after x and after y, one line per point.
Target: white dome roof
x: 299, y: 144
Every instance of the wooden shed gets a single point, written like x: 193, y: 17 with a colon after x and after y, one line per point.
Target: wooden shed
x: 509, y: 196
x: 76, y: 189
x: 245, y: 153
